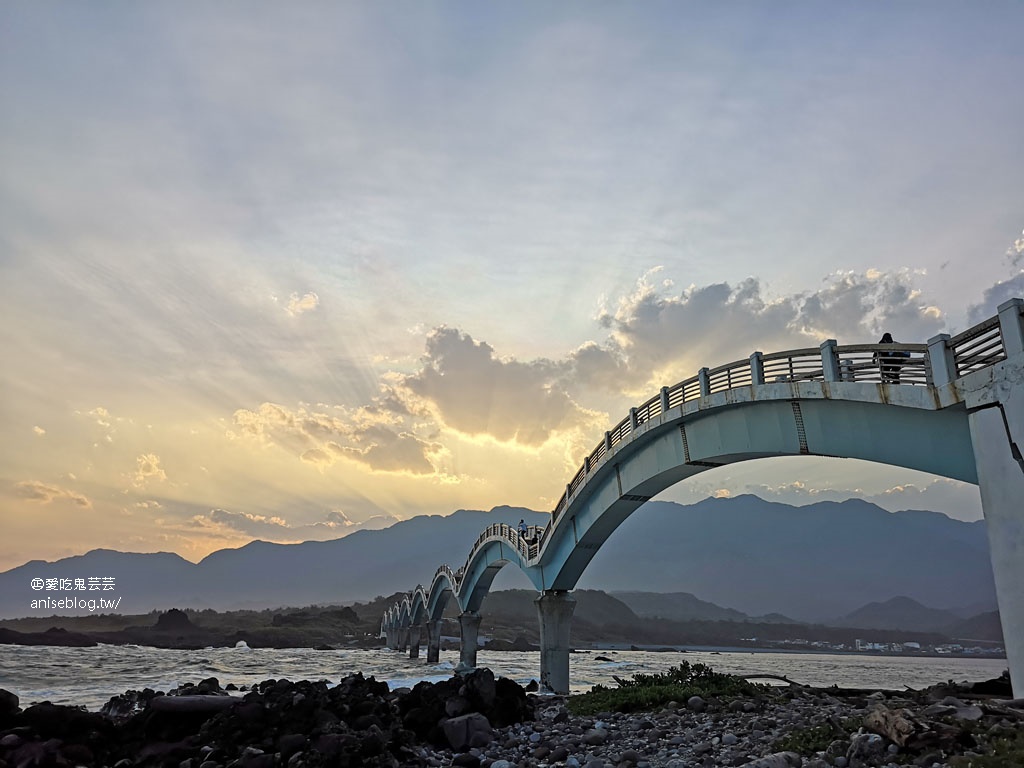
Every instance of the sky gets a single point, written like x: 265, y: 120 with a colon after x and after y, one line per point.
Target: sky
x: 288, y: 271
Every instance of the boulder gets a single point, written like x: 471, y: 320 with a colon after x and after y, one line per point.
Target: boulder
x: 865, y: 749
x: 480, y: 689
x: 8, y: 706
x: 468, y: 731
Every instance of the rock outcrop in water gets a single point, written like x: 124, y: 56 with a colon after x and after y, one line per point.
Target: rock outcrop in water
x: 53, y: 636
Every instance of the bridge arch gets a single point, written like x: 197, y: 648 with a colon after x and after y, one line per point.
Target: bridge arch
x: 418, y: 606
x: 442, y: 587
x: 673, y: 447
x: 492, y: 553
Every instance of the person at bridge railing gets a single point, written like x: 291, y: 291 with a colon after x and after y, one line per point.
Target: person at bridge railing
x: 889, y: 362
x: 522, y: 528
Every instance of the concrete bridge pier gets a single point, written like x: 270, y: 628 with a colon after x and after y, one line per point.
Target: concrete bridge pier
x: 403, y: 638
x: 390, y: 639
x: 997, y: 434
x: 414, y: 640
x: 433, y: 641
x: 469, y: 621
x: 554, y: 610
x: 1001, y: 480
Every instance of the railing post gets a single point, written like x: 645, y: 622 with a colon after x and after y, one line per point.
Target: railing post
x: 757, y: 368
x: 586, y: 466
x: 568, y: 493
x: 1011, y: 326
x: 941, y: 360
x: 705, y: 383
x: 830, y: 360
x: 607, y: 442
x: 664, y: 399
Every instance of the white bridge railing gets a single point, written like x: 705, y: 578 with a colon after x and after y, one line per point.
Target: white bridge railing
x: 857, y: 362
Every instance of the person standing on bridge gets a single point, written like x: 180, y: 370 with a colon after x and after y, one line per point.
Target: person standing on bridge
x: 522, y: 528
x: 889, y: 362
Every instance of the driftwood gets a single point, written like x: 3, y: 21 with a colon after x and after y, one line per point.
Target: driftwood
x: 178, y: 704
x: 897, y: 725
x: 781, y: 678
x: 902, y: 727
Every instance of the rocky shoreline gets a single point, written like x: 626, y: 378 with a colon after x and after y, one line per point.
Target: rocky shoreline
x: 477, y: 720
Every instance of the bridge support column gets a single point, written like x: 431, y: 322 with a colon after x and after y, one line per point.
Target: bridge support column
x: 414, y: 641
x: 998, y: 436
x: 389, y: 634
x: 433, y: 641
x: 469, y: 621
x: 554, y: 610
x: 403, y: 638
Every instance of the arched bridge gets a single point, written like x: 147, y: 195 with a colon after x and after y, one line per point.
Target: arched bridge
x: 953, y: 407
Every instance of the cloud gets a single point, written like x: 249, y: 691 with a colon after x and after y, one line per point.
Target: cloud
x: 656, y: 335
x: 652, y: 335
x: 365, y: 435
x: 373, y: 522
x: 471, y: 390
x: 45, y: 494
x: 274, y: 528
x: 102, y: 416
x: 39, y: 431
x: 951, y: 497
x: 994, y: 296
x: 148, y: 468
x: 299, y: 304
x: 1015, y: 253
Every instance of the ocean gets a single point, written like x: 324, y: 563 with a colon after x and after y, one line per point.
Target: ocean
x: 90, y: 676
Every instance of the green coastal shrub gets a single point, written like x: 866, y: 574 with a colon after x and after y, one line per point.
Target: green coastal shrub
x: 1002, y: 752
x: 644, y: 692
x: 817, y: 738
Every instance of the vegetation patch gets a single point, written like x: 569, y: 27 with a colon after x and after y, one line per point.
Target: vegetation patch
x: 817, y: 738
x: 644, y: 692
x: 1001, y: 752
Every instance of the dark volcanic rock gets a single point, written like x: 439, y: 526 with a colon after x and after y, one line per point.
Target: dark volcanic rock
x: 468, y: 731
x: 502, y: 702
x: 8, y: 706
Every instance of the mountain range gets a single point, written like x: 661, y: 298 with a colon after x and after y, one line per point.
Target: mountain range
x: 811, y: 563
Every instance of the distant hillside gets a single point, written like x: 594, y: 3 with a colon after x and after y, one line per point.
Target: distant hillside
x: 811, y: 563
x: 595, y: 607
x: 899, y: 613
x: 677, y: 606
x: 907, y: 614
x: 683, y: 606
x: 984, y: 626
